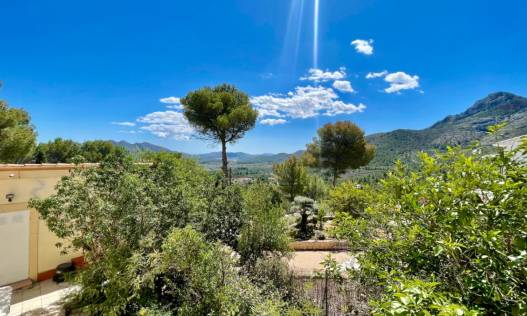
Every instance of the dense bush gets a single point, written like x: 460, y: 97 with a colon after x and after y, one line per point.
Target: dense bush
x: 17, y: 134
x: 265, y: 230
x: 459, y: 220
x: 68, y: 151
x: 133, y: 222
x: 193, y: 277
x: 119, y: 209
x: 416, y: 297
x: 292, y: 177
x: 316, y: 187
x: 349, y: 198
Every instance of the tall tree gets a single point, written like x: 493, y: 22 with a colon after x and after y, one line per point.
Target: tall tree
x: 99, y: 150
x: 56, y: 151
x: 339, y: 147
x: 223, y: 114
x: 292, y: 177
x: 17, y: 135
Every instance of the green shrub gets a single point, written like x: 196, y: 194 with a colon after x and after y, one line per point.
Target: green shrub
x: 417, y: 297
x: 292, y: 177
x: 120, y: 210
x: 190, y: 276
x: 265, y: 228
x: 349, y: 198
x: 460, y: 218
x: 316, y: 188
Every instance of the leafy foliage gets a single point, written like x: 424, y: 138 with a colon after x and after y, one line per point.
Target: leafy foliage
x: 193, y: 277
x: 67, y: 151
x: 118, y: 209
x: 304, y: 219
x: 339, y: 147
x: 350, y: 198
x: 17, y: 135
x: 316, y: 187
x: 265, y: 231
x: 417, y: 297
x: 222, y: 213
x: 99, y: 150
x: 292, y: 177
x: 459, y: 219
x: 222, y: 113
x: 56, y: 151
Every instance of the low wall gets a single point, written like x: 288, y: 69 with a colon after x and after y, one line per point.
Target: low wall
x: 322, y: 245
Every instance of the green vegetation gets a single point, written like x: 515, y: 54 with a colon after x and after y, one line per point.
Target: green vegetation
x: 455, y: 130
x: 265, y: 229
x: 133, y: 223
x: 339, y: 147
x: 458, y: 221
x: 222, y: 113
x: 59, y: 150
x: 17, y: 135
x: 350, y: 198
x: 417, y: 297
x: 292, y: 177
x: 444, y: 233
x: 67, y: 151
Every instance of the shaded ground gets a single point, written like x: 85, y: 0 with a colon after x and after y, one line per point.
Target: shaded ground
x: 44, y: 298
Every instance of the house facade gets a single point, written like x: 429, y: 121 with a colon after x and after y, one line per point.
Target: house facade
x: 27, y: 247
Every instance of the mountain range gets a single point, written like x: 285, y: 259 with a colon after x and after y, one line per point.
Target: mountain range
x: 459, y: 129
x: 211, y: 158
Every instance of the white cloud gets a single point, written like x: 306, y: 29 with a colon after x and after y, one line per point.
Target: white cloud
x: 167, y: 124
x: 129, y: 124
x: 173, y: 102
x: 363, y: 46
x: 343, y: 85
x: 267, y: 75
x: 304, y: 102
x: 170, y: 100
x: 340, y: 107
x: 273, y: 122
x: 372, y: 75
x: 129, y: 132
x: 401, y: 81
x: 318, y: 75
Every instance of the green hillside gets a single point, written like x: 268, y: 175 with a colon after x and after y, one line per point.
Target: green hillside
x: 461, y: 129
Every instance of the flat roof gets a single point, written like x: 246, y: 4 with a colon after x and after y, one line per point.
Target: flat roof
x: 44, y: 166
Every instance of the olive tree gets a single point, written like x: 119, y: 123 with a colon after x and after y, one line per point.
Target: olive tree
x: 223, y: 114
x: 339, y: 147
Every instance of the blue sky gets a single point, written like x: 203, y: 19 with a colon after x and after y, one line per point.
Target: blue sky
x: 78, y: 67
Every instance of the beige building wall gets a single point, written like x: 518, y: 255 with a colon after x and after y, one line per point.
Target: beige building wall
x: 35, y: 181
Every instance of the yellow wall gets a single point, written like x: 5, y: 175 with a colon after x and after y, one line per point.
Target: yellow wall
x: 34, y: 181
x: 48, y: 254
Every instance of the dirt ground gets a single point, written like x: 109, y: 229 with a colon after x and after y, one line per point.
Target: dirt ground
x: 307, y: 262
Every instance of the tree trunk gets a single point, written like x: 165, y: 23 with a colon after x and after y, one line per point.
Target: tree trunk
x: 224, y: 161
x: 335, y: 176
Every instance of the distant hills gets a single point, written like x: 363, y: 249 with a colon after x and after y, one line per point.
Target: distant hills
x: 211, y: 158
x: 137, y: 147
x: 243, y: 158
x: 460, y: 129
